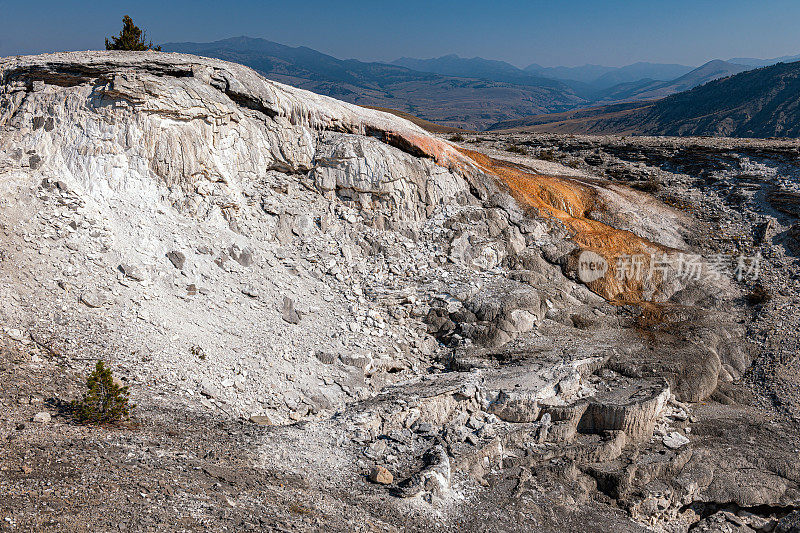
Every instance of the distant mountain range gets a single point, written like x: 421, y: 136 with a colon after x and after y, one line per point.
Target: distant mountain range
x: 471, y: 93
x: 753, y: 62
x: 466, y: 102
x: 602, y: 77
x: 476, y: 67
x: 650, y: 89
x: 764, y: 102
x: 595, y: 83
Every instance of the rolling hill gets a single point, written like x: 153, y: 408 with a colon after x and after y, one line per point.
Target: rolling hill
x: 601, y: 77
x: 759, y: 103
x: 584, y: 74
x: 639, y: 71
x: 753, y: 62
x: 597, y: 84
x: 588, y: 120
x: 649, y: 89
x: 477, y: 67
x: 422, y: 123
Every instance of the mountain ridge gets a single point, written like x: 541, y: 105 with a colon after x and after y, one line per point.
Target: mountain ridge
x: 476, y: 67
x: 650, y: 89
x: 467, y: 93
x: 470, y: 103
x: 758, y: 103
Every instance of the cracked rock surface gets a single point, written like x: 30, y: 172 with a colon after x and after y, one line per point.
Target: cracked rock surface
x: 330, y: 319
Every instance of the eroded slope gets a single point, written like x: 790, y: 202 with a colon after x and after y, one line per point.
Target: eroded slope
x: 243, y: 250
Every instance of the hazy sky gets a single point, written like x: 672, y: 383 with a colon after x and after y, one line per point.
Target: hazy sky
x: 550, y: 32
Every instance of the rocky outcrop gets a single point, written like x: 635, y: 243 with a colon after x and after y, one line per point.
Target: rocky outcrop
x: 201, y: 126
x: 341, y: 279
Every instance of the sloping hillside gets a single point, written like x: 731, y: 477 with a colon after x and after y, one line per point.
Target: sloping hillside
x: 472, y: 93
x: 639, y: 71
x: 758, y: 103
x: 588, y: 120
x: 426, y: 125
x: 652, y: 89
x: 477, y: 67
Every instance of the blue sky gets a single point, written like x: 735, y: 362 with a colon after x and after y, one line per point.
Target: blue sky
x: 550, y: 33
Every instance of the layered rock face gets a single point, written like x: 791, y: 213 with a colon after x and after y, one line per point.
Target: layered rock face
x: 204, y: 128
x: 238, y: 248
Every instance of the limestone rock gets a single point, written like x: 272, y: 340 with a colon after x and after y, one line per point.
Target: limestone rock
x: 675, y: 440
x: 131, y: 271
x: 261, y: 420
x: 289, y: 313
x: 92, y: 299
x: 381, y: 475
x: 42, y: 417
x: 178, y: 259
x: 449, y: 332
x: 789, y: 523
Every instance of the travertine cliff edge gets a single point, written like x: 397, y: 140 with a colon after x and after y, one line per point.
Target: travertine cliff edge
x: 359, y: 293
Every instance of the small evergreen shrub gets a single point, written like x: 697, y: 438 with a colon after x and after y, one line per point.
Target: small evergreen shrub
x: 546, y: 155
x: 198, y: 352
x: 105, y: 402
x: 758, y: 296
x: 673, y: 201
x: 131, y: 38
x: 651, y: 185
x: 517, y: 149
x: 299, y: 508
x: 457, y: 138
